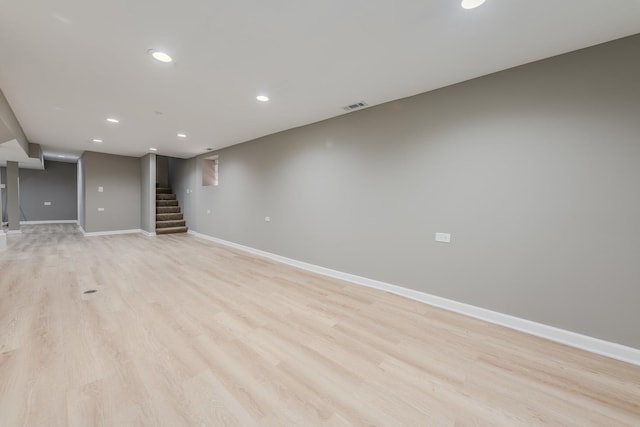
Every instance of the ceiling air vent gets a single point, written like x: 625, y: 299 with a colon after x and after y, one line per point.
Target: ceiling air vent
x: 355, y: 106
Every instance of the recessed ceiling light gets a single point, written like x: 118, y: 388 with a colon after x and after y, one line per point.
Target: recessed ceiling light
x: 112, y: 120
x: 262, y: 98
x: 182, y: 135
x: 471, y: 4
x: 96, y: 140
x: 160, y: 56
x: 153, y: 149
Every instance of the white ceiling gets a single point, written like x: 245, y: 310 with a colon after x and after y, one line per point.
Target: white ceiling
x: 66, y: 65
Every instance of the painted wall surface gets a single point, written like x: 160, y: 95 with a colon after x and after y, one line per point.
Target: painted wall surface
x: 148, y: 192
x: 12, y: 188
x: 118, y: 206
x: 535, y: 171
x: 162, y: 171
x: 3, y: 179
x: 56, y: 184
x: 81, y: 194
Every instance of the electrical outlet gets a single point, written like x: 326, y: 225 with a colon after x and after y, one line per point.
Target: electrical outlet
x: 443, y: 237
x: 47, y: 203
x: 100, y: 209
x: 267, y: 218
x: 208, y: 211
x: 100, y: 189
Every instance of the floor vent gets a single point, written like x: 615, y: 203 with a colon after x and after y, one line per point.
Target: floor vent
x: 355, y: 106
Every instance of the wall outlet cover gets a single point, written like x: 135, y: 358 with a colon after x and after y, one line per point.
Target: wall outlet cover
x: 443, y: 237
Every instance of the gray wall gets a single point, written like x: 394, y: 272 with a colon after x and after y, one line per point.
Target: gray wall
x: 120, y: 178
x: 162, y: 171
x: 148, y: 193
x: 81, y: 194
x: 57, y: 184
x: 12, y: 188
x: 535, y: 171
x: 3, y: 195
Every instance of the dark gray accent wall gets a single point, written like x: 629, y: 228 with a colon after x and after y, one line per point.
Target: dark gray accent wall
x: 162, y: 171
x: 13, y: 196
x: 118, y: 206
x: 535, y: 171
x: 57, y: 185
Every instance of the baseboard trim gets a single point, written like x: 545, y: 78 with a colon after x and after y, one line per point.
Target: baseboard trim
x: 148, y: 234
x: 562, y: 336
x: 109, y: 233
x: 54, y: 221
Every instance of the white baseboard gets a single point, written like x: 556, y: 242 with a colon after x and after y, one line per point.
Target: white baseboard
x: 148, y: 234
x: 54, y: 221
x: 573, y: 339
x: 109, y: 233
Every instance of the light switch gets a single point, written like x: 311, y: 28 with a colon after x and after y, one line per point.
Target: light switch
x: 267, y: 218
x: 443, y: 237
x: 208, y: 211
x: 2, y: 186
x: 47, y: 203
x: 100, y: 189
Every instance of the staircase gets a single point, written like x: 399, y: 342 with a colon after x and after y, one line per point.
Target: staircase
x: 168, y: 216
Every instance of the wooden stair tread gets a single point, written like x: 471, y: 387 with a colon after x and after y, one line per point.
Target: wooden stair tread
x: 169, y: 217
x: 162, y: 210
x: 170, y: 223
x: 165, y: 196
x: 171, y: 230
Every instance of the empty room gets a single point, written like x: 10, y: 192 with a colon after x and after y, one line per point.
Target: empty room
x: 331, y: 213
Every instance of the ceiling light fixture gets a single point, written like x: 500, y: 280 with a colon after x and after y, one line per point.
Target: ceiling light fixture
x: 262, y: 98
x: 153, y: 149
x: 182, y: 135
x: 471, y: 4
x: 112, y: 120
x: 96, y: 140
x: 61, y: 156
x: 160, y: 56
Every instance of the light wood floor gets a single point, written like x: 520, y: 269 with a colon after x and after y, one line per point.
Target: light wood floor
x: 183, y: 332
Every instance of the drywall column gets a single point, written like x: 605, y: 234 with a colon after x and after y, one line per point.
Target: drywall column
x: 3, y: 237
x: 1, y: 189
x: 148, y: 192
x: 13, y: 199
